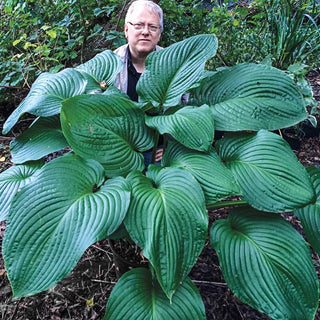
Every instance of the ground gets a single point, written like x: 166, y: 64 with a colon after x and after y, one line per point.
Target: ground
x: 84, y: 293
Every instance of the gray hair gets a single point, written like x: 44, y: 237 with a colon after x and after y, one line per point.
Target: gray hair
x: 150, y: 5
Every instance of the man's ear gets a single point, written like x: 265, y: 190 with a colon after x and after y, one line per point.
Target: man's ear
x: 126, y: 30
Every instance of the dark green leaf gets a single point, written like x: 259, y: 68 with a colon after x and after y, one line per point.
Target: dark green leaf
x: 43, y: 137
x: 268, y: 172
x: 214, y: 177
x: 251, y: 97
x: 137, y: 296
x: 52, y: 222
x: 191, y: 126
x: 168, y: 220
x: 109, y: 129
x: 171, y: 72
x: 47, y: 93
x: 12, y: 180
x: 310, y: 215
x: 267, y: 264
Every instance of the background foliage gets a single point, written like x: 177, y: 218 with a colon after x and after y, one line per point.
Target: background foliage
x: 48, y: 35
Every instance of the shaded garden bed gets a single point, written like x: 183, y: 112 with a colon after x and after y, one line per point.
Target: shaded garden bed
x: 84, y: 293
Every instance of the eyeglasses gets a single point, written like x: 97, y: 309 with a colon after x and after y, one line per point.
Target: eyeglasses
x: 141, y: 26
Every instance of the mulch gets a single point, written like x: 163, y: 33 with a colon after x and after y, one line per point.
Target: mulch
x: 84, y: 293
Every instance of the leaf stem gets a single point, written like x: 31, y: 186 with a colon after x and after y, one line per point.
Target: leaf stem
x: 229, y: 203
x: 155, y: 146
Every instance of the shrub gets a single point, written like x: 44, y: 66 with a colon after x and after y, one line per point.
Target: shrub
x: 102, y: 189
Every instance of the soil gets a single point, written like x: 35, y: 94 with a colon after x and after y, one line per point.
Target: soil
x: 84, y: 293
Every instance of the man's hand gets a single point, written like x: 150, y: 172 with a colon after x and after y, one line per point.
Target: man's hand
x: 159, y: 154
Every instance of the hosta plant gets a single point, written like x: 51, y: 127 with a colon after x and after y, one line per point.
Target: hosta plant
x: 102, y: 189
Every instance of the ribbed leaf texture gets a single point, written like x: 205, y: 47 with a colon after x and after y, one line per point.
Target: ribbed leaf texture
x: 310, y: 215
x: 191, y: 126
x: 251, y: 97
x: 267, y: 264
x: 11, y: 182
x: 215, y: 179
x: 168, y: 220
x: 56, y: 217
x: 268, y: 172
x: 103, y: 67
x: 46, y: 95
x: 137, y: 296
x: 43, y: 137
x: 109, y: 129
x: 171, y: 72
x: 48, y: 91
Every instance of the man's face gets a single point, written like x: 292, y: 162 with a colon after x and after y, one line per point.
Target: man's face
x: 142, y: 42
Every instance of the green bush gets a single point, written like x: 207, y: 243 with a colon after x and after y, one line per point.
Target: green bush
x: 41, y: 36
x: 101, y: 189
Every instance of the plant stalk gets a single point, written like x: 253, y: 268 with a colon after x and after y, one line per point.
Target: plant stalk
x: 229, y: 203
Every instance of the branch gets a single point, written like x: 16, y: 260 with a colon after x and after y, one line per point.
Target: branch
x: 13, y: 87
x: 120, y: 15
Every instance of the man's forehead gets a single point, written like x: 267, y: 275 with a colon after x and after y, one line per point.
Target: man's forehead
x: 144, y: 12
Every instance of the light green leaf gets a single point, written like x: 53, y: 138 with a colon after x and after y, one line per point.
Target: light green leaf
x: 215, y: 178
x: 137, y: 296
x: 310, y: 215
x: 267, y: 264
x: 43, y: 137
x: 105, y: 66
x: 52, y: 33
x: 251, y: 97
x: 191, y: 126
x: 168, y: 220
x: 46, y: 95
x: 11, y: 182
x: 52, y: 222
x: 268, y: 172
x: 109, y: 129
x: 171, y: 72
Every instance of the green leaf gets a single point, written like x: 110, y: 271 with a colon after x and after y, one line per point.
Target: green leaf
x: 137, y: 296
x: 191, y: 126
x: 43, y: 137
x: 109, y: 129
x: 310, y: 215
x: 269, y: 174
x: 54, y: 220
x: 168, y: 220
x: 251, y: 97
x: 46, y: 95
x: 105, y: 66
x: 11, y: 182
x: 267, y: 264
x: 215, y: 179
x: 171, y: 72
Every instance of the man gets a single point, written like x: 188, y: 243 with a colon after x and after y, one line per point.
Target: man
x: 143, y: 27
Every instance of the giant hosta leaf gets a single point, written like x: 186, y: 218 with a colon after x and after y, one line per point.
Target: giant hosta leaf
x: 109, y: 129
x: 56, y: 217
x: 12, y: 180
x: 168, y: 220
x: 43, y: 137
x: 103, y: 67
x: 251, y: 97
x: 137, y: 296
x: 214, y: 177
x: 191, y: 126
x: 267, y: 264
x: 310, y: 215
x: 47, y: 93
x: 170, y: 72
x: 268, y: 172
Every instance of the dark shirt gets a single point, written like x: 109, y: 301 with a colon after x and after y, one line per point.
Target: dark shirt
x: 133, y: 77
